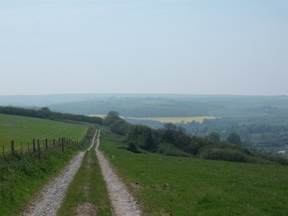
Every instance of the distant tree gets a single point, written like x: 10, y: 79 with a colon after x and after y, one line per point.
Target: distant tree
x: 170, y: 126
x: 113, y: 114
x: 142, y: 136
x: 116, y: 124
x: 45, y: 109
x: 119, y: 127
x: 133, y: 148
x: 44, y: 112
x: 234, y: 138
x: 111, y: 117
x: 176, y: 135
x: 214, y: 136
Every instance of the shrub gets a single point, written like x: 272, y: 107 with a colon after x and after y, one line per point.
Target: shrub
x: 133, y: 148
x: 226, y: 154
x: 171, y: 150
x: 234, y: 138
x: 214, y: 136
x: 119, y: 127
x: 142, y: 136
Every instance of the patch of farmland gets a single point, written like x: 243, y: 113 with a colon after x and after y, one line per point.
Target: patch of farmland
x: 174, y: 120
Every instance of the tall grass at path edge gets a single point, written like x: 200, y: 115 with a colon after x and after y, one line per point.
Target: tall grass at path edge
x: 22, y: 175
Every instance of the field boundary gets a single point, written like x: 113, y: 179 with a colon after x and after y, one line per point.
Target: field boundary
x: 38, y: 146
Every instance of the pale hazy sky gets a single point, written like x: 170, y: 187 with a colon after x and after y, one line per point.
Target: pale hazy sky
x: 154, y: 46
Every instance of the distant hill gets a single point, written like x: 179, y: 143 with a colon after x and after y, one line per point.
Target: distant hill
x: 139, y: 107
x: 152, y: 105
x: 42, y: 100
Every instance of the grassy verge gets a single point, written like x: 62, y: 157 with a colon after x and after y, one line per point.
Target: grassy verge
x: 22, y: 174
x: 186, y: 186
x: 87, y: 193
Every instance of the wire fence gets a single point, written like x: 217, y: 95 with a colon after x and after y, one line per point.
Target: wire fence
x: 37, y: 145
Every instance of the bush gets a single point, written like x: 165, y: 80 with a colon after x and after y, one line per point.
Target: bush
x: 274, y: 159
x: 119, y: 127
x: 234, y: 138
x: 133, y: 148
x: 171, y: 150
x: 226, y: 154
x: 142, y: 136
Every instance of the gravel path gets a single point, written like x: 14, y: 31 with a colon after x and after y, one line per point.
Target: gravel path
x: 122, y: 201
x: 49, y: 199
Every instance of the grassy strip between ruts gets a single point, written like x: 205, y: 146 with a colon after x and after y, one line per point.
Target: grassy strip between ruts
x: 186, y: 186
x: 87, y: 193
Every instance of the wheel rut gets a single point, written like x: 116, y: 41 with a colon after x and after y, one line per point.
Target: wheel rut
x: 122, y: 201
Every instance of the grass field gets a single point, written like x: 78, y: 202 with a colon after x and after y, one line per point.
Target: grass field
x: 186, y: 186
x: 25, y: 129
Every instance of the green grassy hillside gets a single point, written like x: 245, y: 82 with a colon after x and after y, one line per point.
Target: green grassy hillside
x: 23, y: 174
x: 25, y: 129
x: 189, y: 186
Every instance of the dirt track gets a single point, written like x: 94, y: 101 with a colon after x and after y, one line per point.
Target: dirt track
x: 122, y: 201
x: 49, y: 199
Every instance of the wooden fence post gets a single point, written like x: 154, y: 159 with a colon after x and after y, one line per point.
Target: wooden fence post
x: 46, y: 143
x: 39, y: 149
x: 54, y: 142
x: 34, y: 146
x: 62, y: 144
x: 12, y: 147
x: 3, y: 150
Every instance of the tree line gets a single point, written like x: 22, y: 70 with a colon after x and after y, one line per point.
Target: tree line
x: 46, y: 113
x: 262, y: 134
x: 168, y: 140
x: 173, y: 140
